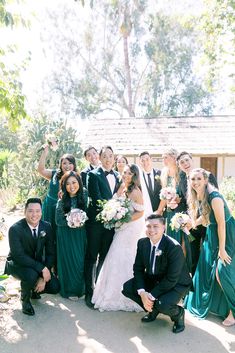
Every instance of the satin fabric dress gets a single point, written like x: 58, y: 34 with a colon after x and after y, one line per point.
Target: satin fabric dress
x: 208, y: 296
x: 71, y: 249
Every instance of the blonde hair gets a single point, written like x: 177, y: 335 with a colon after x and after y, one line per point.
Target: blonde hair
x: 204, y: 208
x: 165, y: 171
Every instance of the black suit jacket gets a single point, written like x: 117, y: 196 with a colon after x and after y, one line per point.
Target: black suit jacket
x: 170, y: 267
x: 99, y: 189
x: 84, y: 173
x: 155, y: 196
x: 25, y: 251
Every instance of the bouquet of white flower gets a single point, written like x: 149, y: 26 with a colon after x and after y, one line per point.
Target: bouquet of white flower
x: 114, y: 212
x: 76, y: 218
x: 179, y: 221
x: 52, y: 141
x: 167, y: 193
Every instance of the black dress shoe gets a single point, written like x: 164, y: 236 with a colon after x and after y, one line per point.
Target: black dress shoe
x: 27, y: 308
x: 35, y: 295
x: 179, y: 323
x: 88, y: 302
x: 150, y: 316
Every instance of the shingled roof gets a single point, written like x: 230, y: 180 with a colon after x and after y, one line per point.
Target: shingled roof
x: 213, y: 135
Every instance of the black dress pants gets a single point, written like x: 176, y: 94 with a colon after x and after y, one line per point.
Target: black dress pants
x: 166, y: 303
x: 99, y: 240
x: 29, y: 277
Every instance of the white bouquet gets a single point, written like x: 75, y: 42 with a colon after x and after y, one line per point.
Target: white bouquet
x: 179, y: 222
x: 76, y: 218
x: 114, y: 212
x: 52, y: 141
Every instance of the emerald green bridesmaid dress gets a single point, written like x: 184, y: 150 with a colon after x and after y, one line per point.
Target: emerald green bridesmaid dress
x: 208, y: 296
x: 71, y: 249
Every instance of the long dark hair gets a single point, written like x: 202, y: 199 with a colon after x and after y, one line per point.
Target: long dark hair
x: 71, y: 159
x: 66, y: 199
x: 119, y: 156
x: 135, y: 180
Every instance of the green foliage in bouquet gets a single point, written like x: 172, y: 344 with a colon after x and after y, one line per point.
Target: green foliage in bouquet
x: 227, y: 188
x: 24, y: 175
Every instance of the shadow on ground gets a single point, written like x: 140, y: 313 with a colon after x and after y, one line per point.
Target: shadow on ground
x: 63, y: 326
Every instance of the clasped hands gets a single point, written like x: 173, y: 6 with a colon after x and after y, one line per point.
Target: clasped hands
x: 147, y: 302
x: 40, y: 285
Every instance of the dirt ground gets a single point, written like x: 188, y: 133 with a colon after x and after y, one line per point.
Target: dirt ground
x: 62, y: 326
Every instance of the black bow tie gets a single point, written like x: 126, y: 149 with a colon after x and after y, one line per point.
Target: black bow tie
x: 107, y: 173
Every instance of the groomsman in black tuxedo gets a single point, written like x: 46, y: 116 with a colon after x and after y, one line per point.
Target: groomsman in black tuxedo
x: 152, y: 181
x: 161, y: 277
x: 32, y: 255
x: 185, y: 163
x: 102, y: 183
x: 92, y: 156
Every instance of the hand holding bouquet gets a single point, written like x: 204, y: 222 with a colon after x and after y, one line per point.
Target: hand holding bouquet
x: 76, y: 218
x: 114, y: 212
x: 51, y: 142
x: 167, y: 193
x: 179, y: 222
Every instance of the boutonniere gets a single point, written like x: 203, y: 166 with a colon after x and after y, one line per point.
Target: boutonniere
x: 158, y: 252
x: 42, y: 234
x: 157, y: 178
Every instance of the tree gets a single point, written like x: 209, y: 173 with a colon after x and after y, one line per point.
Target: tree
x: 126, y: 60
x: 217, y: 26
x: 12, y: 100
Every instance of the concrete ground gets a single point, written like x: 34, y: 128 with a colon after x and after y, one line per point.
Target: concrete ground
x: 62, y: 326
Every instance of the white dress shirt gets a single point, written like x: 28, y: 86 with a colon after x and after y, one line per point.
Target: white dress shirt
x: 31, y: 228
x: 141, y: 290
x: 151, y: 177
x: 111, y: 180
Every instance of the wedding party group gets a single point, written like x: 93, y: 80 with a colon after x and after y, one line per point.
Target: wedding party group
x: 128, y: 237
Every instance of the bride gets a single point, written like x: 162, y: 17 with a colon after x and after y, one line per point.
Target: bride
x: 118, y: 264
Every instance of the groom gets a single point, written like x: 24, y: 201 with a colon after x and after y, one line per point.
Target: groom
x: 151, y: 183
x: 102, y: 184
x: 161, y: 277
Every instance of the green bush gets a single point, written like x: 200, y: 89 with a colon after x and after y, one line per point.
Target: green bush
x: 6, y: 157
x: 23, y: 170
x: 227, y: 188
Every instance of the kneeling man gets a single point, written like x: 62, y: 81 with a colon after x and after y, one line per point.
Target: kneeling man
x: 161, y: 277
x: 32, y: 255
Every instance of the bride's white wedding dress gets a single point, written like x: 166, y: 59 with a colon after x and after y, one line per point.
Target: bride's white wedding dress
x: 118, y: 267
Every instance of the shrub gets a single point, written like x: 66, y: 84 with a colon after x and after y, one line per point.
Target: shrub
x: 24, y: 176
x: 227, y: 188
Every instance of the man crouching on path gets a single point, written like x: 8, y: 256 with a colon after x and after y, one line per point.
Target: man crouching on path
x: 161, y: 277
x: 31, y: 255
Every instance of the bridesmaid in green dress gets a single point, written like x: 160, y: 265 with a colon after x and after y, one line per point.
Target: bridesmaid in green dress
x: 71, y: 242
x: 67, y: 163
x: 214, y: 279
x: 170, y: 178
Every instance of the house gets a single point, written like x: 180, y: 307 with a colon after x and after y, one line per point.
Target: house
x: 211, y: 140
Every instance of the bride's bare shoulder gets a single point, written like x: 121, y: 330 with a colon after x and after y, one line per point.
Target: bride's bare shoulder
x: 136, y: 195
